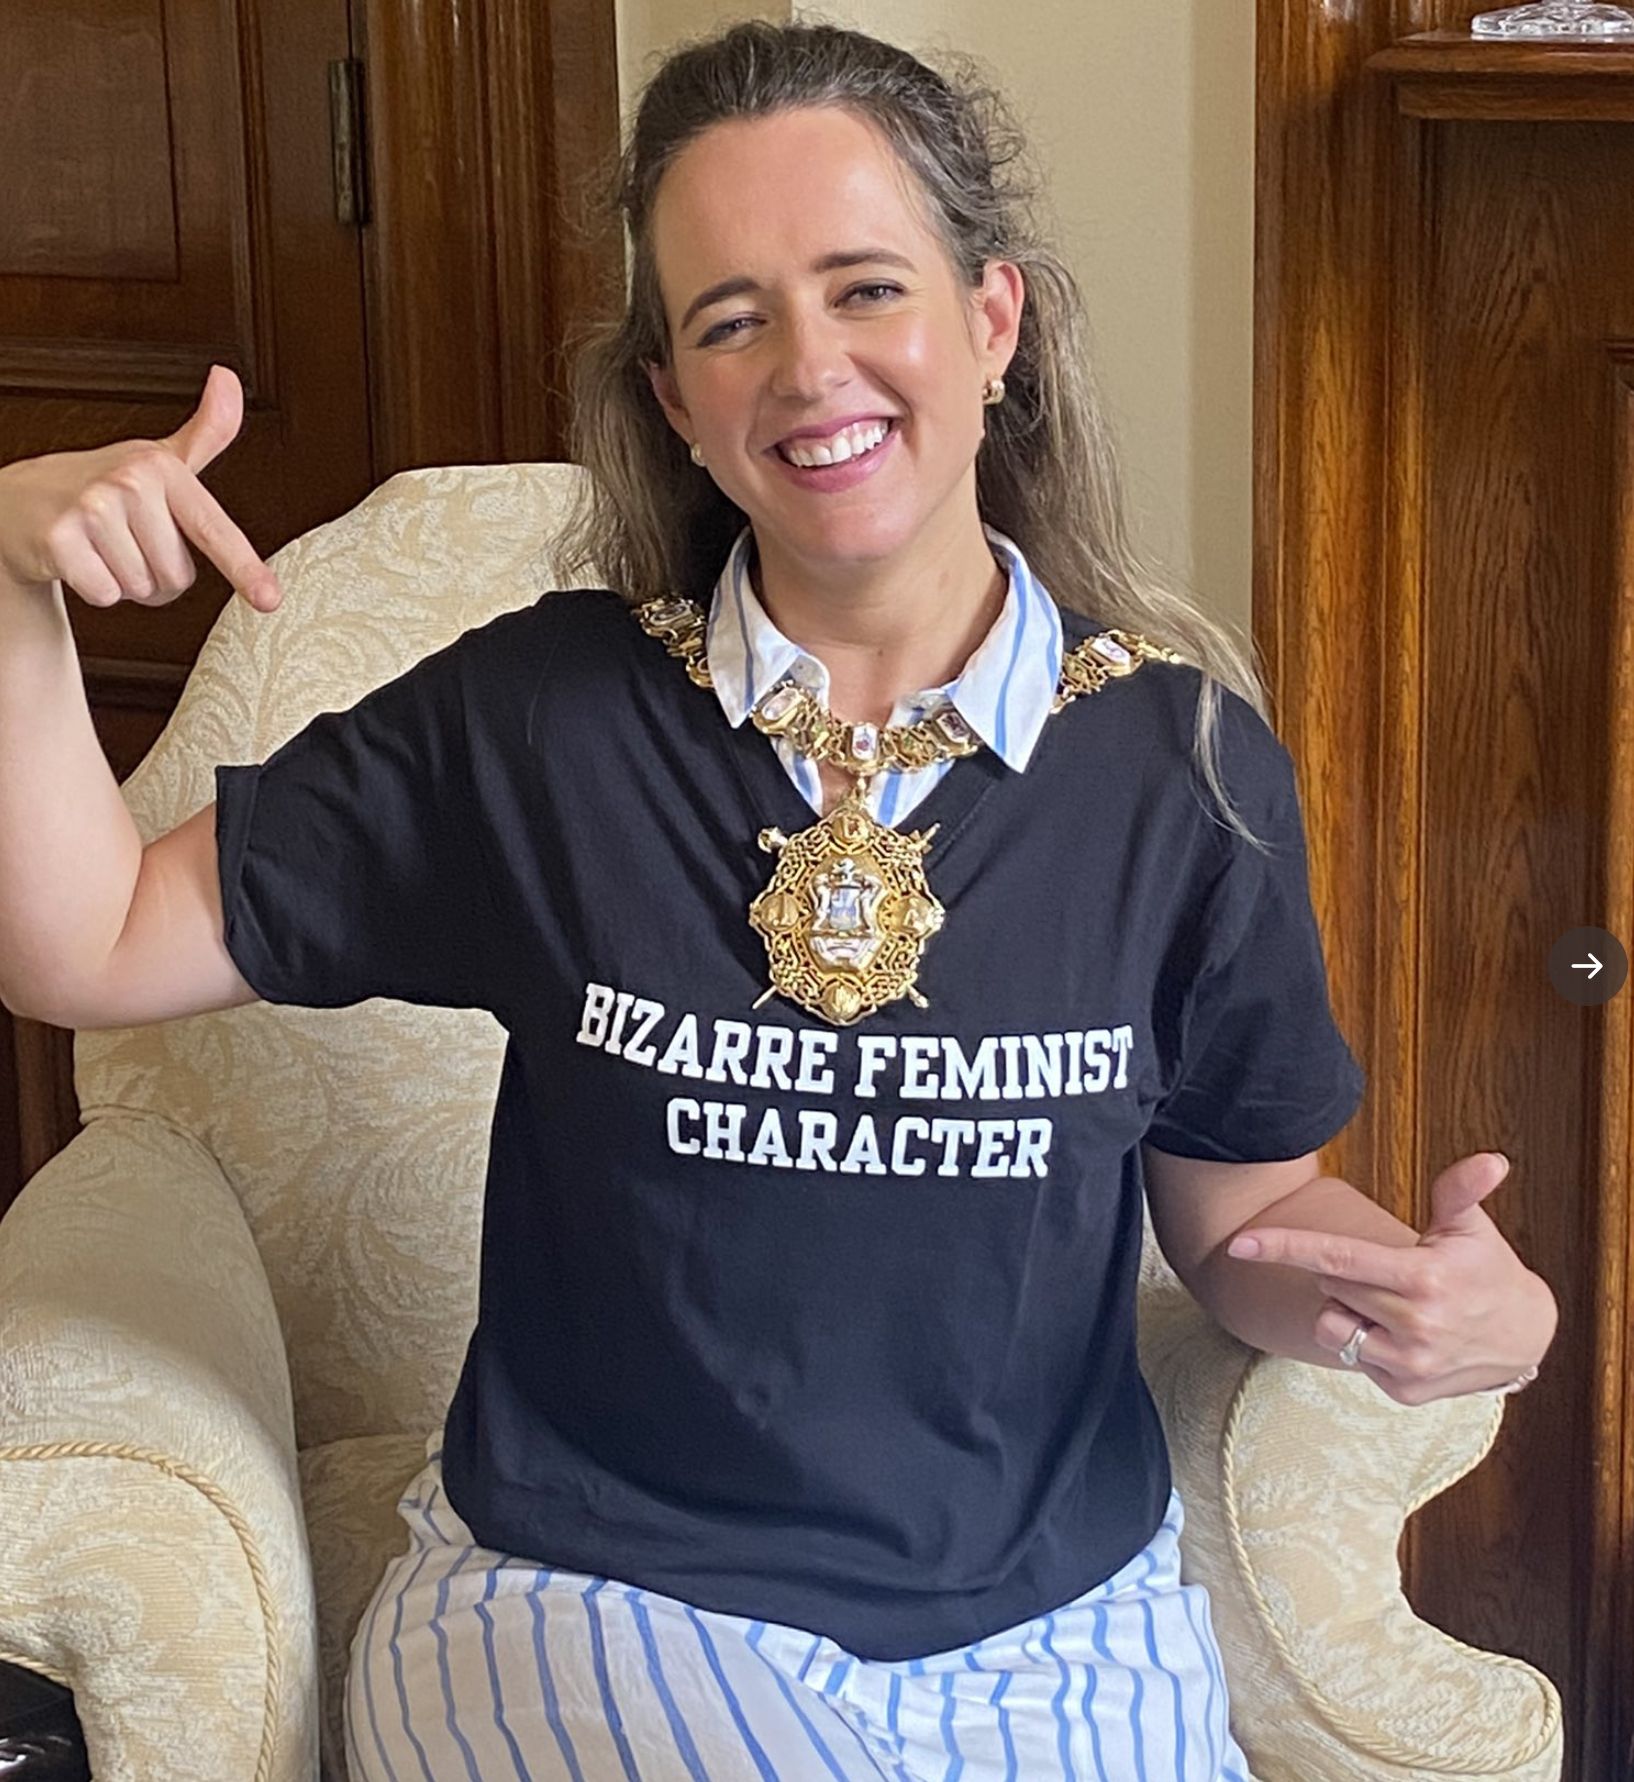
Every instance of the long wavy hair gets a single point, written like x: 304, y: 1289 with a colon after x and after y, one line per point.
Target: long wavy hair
x: 650, y: 522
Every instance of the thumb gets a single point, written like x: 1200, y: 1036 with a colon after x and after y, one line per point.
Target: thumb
x: 1456, y: 1194
x: 214, y: 424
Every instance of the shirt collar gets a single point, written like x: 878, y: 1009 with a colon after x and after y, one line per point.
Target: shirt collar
x: 1004, y: 693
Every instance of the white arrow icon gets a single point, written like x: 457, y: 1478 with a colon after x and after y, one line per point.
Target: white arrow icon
x: 1577, y: 965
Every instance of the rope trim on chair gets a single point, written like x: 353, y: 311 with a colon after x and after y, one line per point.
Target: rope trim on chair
x: 27, y: 1662
x: 218, y: 1499
x: 1337, y: 1720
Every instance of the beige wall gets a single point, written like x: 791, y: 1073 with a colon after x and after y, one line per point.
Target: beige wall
x: 1142, y: 116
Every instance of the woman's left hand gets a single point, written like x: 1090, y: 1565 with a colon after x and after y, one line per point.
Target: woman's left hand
x: 1457, y: 1312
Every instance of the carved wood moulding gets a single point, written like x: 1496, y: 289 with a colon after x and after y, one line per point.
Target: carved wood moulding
x: 1450, y: 74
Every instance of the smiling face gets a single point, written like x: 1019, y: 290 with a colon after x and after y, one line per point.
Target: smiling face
x: 761, y: 204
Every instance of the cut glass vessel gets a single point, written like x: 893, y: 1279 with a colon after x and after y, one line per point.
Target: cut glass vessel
x: 1557, y: 18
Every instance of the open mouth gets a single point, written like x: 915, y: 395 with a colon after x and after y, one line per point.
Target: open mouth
x: 845, y: 471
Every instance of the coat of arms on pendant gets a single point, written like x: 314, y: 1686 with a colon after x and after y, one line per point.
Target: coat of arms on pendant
x: 847, y: 913
x: 846, y: 931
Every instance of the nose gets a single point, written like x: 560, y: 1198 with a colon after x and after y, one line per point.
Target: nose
x: 810, y: 358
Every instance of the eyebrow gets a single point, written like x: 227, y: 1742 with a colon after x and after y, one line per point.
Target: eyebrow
x: 736, y: 287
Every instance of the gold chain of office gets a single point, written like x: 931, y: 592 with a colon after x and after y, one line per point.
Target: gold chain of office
x: 848, y: 910
x: 866, y: 749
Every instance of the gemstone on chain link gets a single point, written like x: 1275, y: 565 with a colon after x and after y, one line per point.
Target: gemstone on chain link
x: 1112, y: 650
x: 779, y: 702
x: 952, y: 726
x: 669, y: 611
x: 864, y: 742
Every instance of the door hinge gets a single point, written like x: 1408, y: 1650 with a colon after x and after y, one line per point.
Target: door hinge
x: 351, y: 166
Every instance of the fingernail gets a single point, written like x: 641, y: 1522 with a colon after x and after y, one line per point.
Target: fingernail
x: 1244, y: 1246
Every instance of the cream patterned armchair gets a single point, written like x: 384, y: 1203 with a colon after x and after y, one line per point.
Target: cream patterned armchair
x: 234, y: 1307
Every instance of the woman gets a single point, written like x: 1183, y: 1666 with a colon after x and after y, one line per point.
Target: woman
x: 860, y: 928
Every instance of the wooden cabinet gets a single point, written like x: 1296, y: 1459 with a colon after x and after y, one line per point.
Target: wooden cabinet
x: 1445, y: 596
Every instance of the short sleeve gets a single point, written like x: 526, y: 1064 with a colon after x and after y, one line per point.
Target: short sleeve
x: 1264, y: 1072
x: 350, y: 860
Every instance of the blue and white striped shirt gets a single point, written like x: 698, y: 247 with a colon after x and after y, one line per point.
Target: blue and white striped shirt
x: 1004, y: 691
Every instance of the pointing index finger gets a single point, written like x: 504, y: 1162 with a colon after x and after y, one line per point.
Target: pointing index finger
x: 1357, y: 1260
x: 204, y: 520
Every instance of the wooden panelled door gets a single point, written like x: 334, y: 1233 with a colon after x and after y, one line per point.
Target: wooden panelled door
x: 367, y: 211
x: 1444, y: 591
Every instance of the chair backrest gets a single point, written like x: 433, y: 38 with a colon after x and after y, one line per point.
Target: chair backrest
x: 355, y: 1139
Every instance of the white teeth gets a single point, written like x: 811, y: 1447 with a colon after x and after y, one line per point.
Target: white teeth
x: 850, y: 442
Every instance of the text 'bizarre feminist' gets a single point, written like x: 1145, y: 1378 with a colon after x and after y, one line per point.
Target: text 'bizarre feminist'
x: 816, y: 1061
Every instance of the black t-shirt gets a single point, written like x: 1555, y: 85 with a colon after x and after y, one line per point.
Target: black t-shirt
x: 830, y: 1326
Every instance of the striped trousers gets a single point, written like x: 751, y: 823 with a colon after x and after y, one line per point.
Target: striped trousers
x: 475, y: 1666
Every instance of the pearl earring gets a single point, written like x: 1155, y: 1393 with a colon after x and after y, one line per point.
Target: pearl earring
x: 992, y: 391
x: 697, y: 453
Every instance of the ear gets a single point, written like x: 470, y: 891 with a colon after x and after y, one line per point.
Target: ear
x: 996, y: 305
x: 664, y: 387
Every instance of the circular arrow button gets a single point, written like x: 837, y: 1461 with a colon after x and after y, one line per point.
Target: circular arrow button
x: 1588, y: 965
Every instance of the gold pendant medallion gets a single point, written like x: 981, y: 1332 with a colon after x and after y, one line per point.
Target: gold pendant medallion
x: 847, y: 913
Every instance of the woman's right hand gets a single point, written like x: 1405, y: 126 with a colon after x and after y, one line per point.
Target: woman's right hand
x: 111, y: 522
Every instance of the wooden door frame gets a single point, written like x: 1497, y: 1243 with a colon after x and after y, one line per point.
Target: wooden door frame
x: 482, y: 256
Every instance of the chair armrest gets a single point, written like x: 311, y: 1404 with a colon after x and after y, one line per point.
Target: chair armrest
x: 153, y: 1554
x: 1297, y: 1482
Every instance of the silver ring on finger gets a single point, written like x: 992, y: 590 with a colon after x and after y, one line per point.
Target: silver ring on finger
x: 1353, y: 1348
